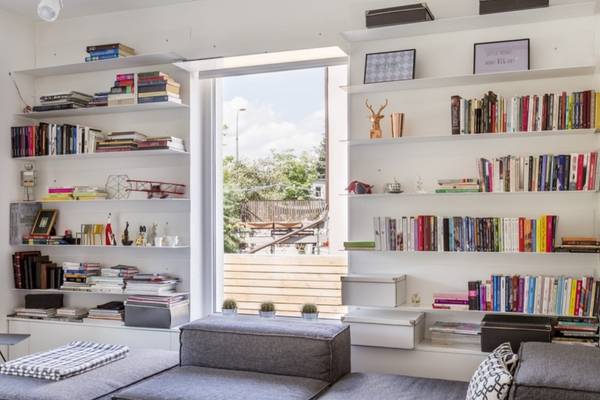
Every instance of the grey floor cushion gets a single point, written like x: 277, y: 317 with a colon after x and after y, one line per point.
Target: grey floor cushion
x: 198, y: 383
x: 359, y: 386
x: 92, y: 385
x: 557, y: 371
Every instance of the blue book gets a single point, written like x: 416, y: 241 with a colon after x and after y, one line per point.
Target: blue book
x: 98, y: 58
x: 532, y: 284
x: 451, y: 233
x: 494, y: 293
x: 533, y: 236
x: 107, y: 52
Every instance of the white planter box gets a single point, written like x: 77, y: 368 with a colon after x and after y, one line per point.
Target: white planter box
x: 382, y: 328
x: 374, y: 290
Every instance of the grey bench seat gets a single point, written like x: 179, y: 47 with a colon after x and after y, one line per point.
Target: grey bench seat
x: 99, y: 383
x: 358, y: 386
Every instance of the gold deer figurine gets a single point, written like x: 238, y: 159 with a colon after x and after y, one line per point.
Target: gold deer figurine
x: 375, y: 118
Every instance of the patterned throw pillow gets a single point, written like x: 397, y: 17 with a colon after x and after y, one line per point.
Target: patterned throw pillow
x: 492, y: 379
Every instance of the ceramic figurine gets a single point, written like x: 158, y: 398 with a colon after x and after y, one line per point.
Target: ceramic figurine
x: 376, y: 118
x: 109, y: 237
x: 125, y: 239
x: 141, y: 239
x: 151, y: 236
x: 357, y: 187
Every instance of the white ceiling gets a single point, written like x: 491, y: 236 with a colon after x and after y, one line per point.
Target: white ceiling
x: 79, y: 8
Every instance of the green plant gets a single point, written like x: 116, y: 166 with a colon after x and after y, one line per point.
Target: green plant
x: 309, y: 308
x: 267, y: 306
x: 229, y: 304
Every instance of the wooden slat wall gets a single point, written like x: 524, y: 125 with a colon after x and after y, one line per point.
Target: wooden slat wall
x: 288, y: 281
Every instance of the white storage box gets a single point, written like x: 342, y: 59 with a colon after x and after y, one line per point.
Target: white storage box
x: 385, y: 328
x: 374, y: 290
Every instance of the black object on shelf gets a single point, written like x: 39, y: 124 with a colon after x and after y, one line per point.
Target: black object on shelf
x: 516, y: 329
x: 44, y: 301
x: 499, y: 6
x: 408, y: 14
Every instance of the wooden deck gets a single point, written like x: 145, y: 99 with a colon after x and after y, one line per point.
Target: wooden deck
x: 288, y: 281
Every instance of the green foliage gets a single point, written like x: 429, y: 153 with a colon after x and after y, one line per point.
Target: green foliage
x: 229, y: 304
x: 267, y: 306
x: 309, y: 308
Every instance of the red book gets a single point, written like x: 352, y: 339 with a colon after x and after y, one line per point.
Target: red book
x: 515, y: 294
x: 426, y: 234
x: 545, y: 112
x: 578, y: 298
x: 580, y: 177
x: 521, y: 296
x: 593, y: 164
x: 549, y: 234
x: 521, y: 235
x: 420, y: 238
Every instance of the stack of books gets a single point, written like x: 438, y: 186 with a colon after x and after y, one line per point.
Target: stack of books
x: 63, y: 101
x: 543, y: 173
x: 158, y: 301
x: 570, y: 330
x: 464, y: 185
x: 72, y: 313
x: 53, y: 139
x: 578, y: 297
x: 124, y: 271
x: 77, y: 276
x: 466, y: 234
x: 108, y: 51
x: 151, y: 284
x: 357, y: 245
x: 89, y: 193
x: 162, y: 143
x: 156, y: 86
x: 120, y: 141
x: 579, y: 245
x: 100, y: 100
x: 451, y: 301
x: 531, y: 113
x: 35, y: 313
x: 111, y: 312
x: 455, y: 333
x: 123, y: 91
x: 59, y: 194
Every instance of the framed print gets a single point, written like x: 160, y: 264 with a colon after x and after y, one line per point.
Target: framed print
x: 44, y: 222
x: 503, y: 56
x: 390, y: 66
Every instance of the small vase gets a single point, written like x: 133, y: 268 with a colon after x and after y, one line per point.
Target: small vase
x: 267, y: 314
x: 310, y: 316
x: 229, y: 311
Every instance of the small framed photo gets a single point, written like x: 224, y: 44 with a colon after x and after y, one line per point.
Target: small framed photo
x: 503, y: 56
x: 390, y: 66
x: 44, y: 222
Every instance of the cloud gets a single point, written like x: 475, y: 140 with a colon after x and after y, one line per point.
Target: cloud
x: 262, y: 129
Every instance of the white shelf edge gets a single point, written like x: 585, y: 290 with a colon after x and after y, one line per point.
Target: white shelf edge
x: 98, y: 325
x: 471, y: 253
x: 429, y: 309
x: 463, y: 80
x: 87, y: 111
x: 107, y: 201
x: 91, y: 292
x: 582, y: 9
x: 136, y: 61
x: 114, y: 154
x: 73, y: 246
x: 469, y: 194
x: 469, y: 349
x: 480, y: 136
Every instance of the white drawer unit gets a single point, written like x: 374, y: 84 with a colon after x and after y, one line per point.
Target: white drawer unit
x: 374, y: 290
x: 385, y: 328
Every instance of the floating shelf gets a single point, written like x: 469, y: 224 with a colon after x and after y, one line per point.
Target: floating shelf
x: 479, y: 79
x: 114, y: 154
x: 581, y: 9
x: 66, y: 246
x: 471, y: 253
x: 142, y: 60
x: 581, y: 193
x: 425, y: 308
x: 108, y: 201
x: 79, y: 112
x: 469, y: 349
x: 89, y: 325
x: 460, y: 138
x: 99, y: 293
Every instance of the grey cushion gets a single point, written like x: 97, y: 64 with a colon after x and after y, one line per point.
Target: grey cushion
x: 285, y: 346
x: 95, y: 384
x: 394, y: 387
x: 198, y: 383
x: 557, y: 371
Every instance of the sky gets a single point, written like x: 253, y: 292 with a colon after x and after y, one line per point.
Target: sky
x: 285, y: 111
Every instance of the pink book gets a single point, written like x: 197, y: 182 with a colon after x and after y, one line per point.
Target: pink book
x: 60, y: 190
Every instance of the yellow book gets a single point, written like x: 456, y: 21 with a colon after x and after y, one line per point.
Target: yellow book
x: 573, y: 297
x: 570, y: 110
x: 597, y: 119
x: 543, y: 232
x: 538, y: 229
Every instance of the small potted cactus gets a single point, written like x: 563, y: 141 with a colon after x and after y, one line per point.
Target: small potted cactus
x: 267, y: 310
x: 310, y: 311
x: 229, y: 307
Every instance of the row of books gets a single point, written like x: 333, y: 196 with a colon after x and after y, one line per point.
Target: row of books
x: 63, y: 101
x: 543, y: 173
x: 583, y: 331
x: 579, y: 244
x: 465, y: 234
x: 530, y: 113
x: 108, y: 51
x: 75, y: 193
x: 46, y: 139
x: 31, y: 270
x: 132, y: 140
x: 531, y: 295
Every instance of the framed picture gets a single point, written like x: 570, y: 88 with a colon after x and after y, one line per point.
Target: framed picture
x: 390, y: 66
x: 44, y: 222
x: 503, y: 56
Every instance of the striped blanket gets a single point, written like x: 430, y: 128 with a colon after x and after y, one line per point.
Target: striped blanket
x: 63, y: 362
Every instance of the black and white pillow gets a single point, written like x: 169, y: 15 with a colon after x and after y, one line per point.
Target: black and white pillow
x: 493, y: 379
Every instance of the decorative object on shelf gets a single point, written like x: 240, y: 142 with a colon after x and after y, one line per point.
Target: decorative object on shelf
x: 500, y: 6
x: 151, y: 235
x: 393, y: 187
x: 267, y: 310
x: 109, y: 239
x: 156, y: 190
x: 117, y: 187
x: 22, y: 218
x: 408, y: 14
x: 43, y: 227
x: 375, y: 119
x: 390, y: 66
x: 229, y: 307
x: 310, y: 312
x: 28, y: 180
x: 419, y: 185
x: 397, y: 124
x: 501, y: 56
x: 92, y: 235
x: 357, y: 187
x: 171, y: 241
x: 140, y: 241
x: 125, y: 237
x: 415, y: 299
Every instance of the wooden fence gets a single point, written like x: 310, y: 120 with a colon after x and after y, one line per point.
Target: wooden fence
x: 288, y: 281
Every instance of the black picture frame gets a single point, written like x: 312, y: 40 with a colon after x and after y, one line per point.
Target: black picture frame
x: 527, y: 40
x: 366, y: 70
x: 44, y: 223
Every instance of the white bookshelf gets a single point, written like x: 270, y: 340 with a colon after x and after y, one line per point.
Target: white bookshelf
x: 89, y: 111
x: 108, y: 155
x: 389, y: 196
x: 111, y: 202
x: 108, y: 248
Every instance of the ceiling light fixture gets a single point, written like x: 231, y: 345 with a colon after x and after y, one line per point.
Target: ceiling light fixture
x: 48, y: 10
